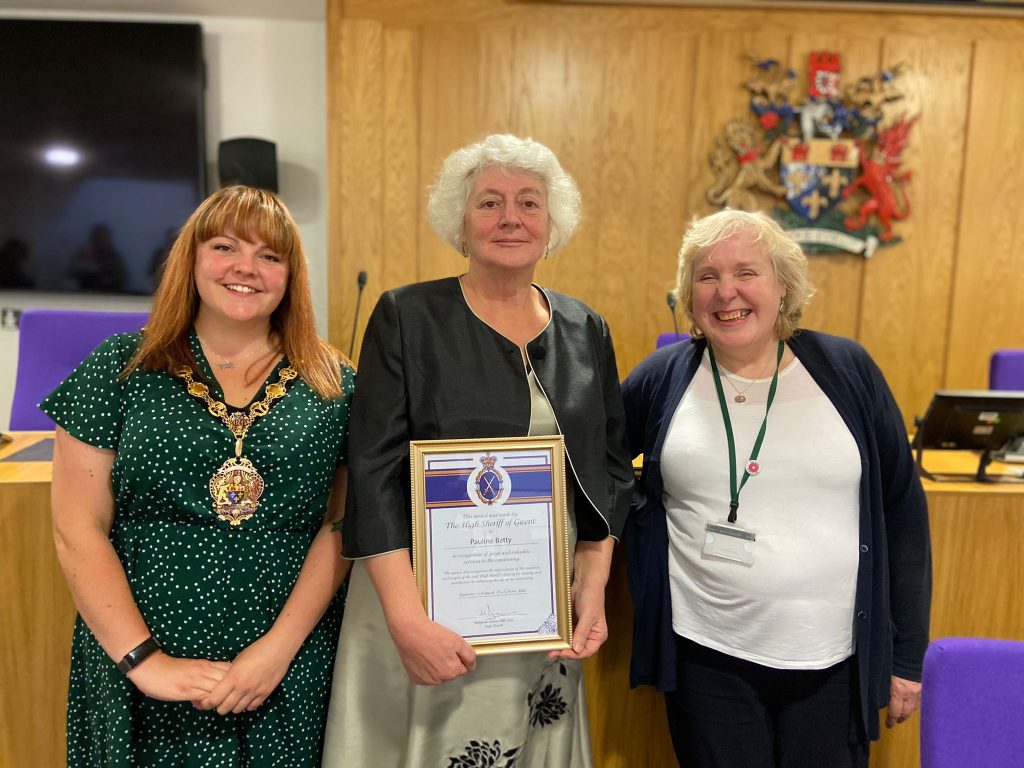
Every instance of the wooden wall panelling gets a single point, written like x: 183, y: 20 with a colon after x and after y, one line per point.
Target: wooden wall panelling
x: 612, y: 16
x: 426, y: 11
x: 403, y: 186
x: 355, y: 149
x: 500, y: 90
x: 905, y: 318
x: 602, y: 276
x: 672, y: 134
x: 988, y: 296
x: 496, y: 65
x: 335, y: 182
x: 624, y: 186
x: 559, y: 78
x: 374, y: 149
x: 457, y: 94
x: 507, y: 12
x: 440, y: 78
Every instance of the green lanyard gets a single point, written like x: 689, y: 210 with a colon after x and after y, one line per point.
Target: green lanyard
x: 734, y: 490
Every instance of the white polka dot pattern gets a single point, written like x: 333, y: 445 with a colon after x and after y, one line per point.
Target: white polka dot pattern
x: 206, y: 589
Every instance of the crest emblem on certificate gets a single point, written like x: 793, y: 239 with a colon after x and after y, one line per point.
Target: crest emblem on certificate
x: 829, y: 166
x: 488, y: 484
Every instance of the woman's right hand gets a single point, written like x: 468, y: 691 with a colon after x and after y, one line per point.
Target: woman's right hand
x: 167, y: 678
x: 432, y: 654
x: 83, y: 516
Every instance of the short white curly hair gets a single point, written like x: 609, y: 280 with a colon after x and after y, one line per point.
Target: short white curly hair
x: 446, y: 206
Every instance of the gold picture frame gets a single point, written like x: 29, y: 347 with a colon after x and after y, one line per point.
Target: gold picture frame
x: 490, y: 540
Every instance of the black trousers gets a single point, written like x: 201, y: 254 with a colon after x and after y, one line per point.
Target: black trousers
x: 732, y: 713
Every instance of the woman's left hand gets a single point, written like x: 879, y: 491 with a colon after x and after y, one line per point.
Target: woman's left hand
x: 591, y: 628
x: 904, y: 698
x: 252, y: 677
x: 590, y: 577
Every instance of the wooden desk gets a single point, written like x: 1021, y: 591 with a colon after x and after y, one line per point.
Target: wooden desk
x: 978, y: 573
x: 978, y: 567
x: 36, y: 615
x: 977, y: 547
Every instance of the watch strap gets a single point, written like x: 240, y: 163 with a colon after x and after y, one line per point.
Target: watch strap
x: 138, y: 654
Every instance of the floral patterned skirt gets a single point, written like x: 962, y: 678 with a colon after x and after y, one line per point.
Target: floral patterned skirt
x: 517, y: 710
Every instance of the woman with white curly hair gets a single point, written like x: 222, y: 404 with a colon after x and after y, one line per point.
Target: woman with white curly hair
x: 487, y: 354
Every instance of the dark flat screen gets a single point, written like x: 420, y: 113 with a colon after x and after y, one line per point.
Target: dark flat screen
x: 972, y: 419
x: 101, y: 151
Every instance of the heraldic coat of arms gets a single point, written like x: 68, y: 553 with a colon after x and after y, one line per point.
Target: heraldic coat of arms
x: 832, y: 163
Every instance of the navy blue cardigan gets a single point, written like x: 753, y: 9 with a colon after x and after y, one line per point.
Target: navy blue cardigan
x: 893, y: 597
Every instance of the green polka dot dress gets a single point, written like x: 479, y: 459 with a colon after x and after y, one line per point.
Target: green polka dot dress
x: 206, y: 589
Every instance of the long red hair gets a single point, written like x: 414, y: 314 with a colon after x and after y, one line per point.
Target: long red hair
x: 252, y: 214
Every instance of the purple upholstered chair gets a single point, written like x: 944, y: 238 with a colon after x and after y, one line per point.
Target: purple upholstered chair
x: 972, y: 710
x: 51, y: 344
x: 1006, y: 371
x: 664, y: 339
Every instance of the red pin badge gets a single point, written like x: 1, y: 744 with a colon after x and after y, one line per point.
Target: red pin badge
x: 753, y: 467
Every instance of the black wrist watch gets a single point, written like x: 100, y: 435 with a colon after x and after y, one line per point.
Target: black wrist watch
x: 138, y: 654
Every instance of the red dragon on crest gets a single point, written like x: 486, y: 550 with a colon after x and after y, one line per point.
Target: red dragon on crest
x: 827, y: 164
x: 879, y: 175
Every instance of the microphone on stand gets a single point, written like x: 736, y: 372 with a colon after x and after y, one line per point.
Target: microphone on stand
x: 671, y: 299
x: 361, y: 282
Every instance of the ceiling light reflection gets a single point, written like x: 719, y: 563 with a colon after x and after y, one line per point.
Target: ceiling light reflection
x: 62, y: 156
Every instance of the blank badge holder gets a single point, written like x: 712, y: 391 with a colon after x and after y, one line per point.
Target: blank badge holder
x: 729, y: 542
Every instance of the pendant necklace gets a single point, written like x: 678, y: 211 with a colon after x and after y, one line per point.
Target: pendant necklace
x: 225, y: 362
x: 236, y: 487
x: 741, y: 394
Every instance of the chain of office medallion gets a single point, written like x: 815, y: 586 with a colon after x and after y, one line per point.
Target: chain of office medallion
x: 238, y: 422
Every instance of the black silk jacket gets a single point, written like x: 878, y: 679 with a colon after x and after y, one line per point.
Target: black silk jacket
x: 430, y: 369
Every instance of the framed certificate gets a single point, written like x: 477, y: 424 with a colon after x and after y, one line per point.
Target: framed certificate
x: 490, y: 540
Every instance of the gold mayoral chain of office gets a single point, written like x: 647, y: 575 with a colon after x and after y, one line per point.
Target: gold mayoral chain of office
x: 236, y: 487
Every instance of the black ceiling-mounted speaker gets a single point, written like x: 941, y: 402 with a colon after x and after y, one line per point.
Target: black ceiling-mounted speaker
x: 252, y: 162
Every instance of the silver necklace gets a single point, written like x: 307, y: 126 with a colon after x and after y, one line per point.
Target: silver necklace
x: 226, y: 363
x: 741, y: 394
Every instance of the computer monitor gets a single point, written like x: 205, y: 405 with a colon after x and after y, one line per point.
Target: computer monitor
x: 970, y: 420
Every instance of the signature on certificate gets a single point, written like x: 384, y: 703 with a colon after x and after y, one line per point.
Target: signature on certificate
x: 489, y: 614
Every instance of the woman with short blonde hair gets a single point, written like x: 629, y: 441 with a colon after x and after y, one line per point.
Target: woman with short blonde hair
x: 780, y: 555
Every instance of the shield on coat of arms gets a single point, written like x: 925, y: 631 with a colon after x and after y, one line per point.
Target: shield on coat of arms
x: 815, y: 154
x: 816, y: 172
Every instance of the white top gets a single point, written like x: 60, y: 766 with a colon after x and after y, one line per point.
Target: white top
x: 793, y: 607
